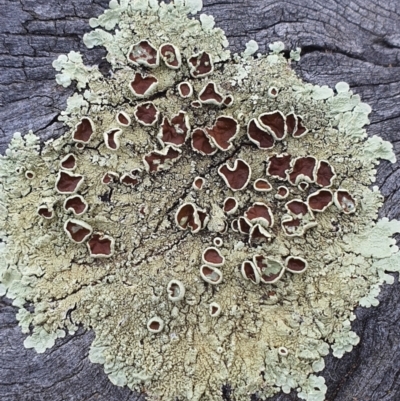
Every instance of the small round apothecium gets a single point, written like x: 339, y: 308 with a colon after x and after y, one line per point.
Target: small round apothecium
x: 319, y: 201
x: 30, y: 175
x: 68, y: 162
x: 144, y: 53
x: 46, y: 212
x: 273, y: 92
x: 218, y: 242
x: 78, y: 231
x: 83, y: 131
x: 155, y: 325
x: 171, y: 56
x: 345, y: 201
x: 123, y: 119
x: 230, y: 205
x: 175, y: 290
x: 282, y: 193
x: 101, y: 246
x: 211, y: 275
x: 68, y: 183
x: 235, y: 225
x: 262, y: 185
x: 212, y: 257
x: 111, y: 138
x: 198, y: 183
x: 146, y: 114
x: 143, y: 85
x: 185, y: 89
x: 296, y: 264
x: 250, y: 272
x: 214, y: 309
x: 76, y: 204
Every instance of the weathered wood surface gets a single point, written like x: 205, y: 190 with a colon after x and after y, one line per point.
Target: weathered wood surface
x: 354, y: 41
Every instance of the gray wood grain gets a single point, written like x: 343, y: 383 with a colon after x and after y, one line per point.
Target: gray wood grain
x: 354, y: 41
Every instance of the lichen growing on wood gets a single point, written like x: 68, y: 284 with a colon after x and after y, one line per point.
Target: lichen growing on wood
x: 209, y: 217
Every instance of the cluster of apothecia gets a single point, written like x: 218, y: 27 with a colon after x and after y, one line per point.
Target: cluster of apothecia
x: 258, y: 223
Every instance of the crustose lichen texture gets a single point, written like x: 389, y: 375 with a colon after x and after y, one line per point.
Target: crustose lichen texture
x: 210, y: 217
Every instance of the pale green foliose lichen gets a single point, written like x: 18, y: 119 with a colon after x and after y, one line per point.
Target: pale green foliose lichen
x: 184, y: 296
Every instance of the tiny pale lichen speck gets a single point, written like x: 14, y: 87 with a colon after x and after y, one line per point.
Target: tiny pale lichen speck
x: 201, y: 214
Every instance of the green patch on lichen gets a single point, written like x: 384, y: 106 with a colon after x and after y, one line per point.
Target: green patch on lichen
x: 138, y: 146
